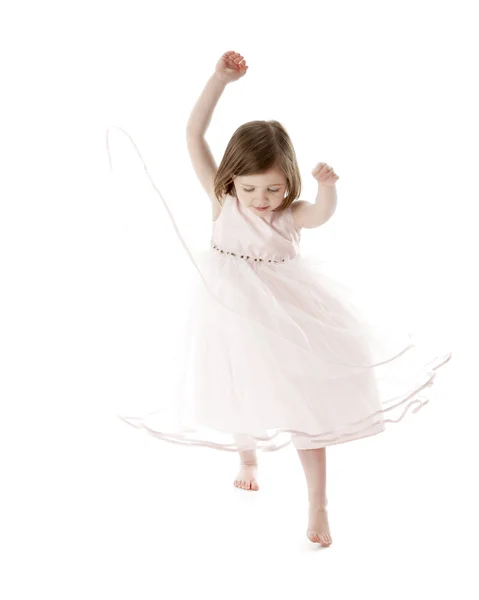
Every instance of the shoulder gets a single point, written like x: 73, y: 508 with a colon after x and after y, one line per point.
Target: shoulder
x: 298, y: 206
x: 298, y: 209
x: 305, y: 215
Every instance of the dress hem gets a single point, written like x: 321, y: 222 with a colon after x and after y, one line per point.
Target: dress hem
x: 315, y: 440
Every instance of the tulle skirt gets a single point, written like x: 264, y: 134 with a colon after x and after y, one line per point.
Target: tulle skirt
x: 269, y: 354
x: 273, y: 354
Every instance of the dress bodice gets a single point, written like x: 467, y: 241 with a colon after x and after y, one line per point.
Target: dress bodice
x: 241, y: 232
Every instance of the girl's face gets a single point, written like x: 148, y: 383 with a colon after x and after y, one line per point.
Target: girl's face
x: 261, y: 193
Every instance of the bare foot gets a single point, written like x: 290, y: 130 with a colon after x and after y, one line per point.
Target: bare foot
x: 318, y: 526
x: 246, y: 477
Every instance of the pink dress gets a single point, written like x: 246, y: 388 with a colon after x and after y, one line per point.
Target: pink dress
x: 277, y: 352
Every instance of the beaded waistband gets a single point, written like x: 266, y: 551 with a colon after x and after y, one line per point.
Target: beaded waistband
x: 245, y: 257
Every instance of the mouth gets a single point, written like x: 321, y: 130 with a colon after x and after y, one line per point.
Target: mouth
x: 264, y: 208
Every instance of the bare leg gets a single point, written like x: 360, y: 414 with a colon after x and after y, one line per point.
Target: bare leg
x: 314, y: 465
x: 246, y: 477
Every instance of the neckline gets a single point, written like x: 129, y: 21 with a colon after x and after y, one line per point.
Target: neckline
x: 273, y: 218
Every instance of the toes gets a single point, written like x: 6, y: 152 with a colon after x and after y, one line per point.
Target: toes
x: 313, y: 536
x: 325, y: 540
x: 246, y: 484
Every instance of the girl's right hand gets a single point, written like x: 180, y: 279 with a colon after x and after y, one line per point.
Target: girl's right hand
x: 231, y: 67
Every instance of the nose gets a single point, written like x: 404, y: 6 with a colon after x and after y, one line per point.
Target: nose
x: 263, y: 199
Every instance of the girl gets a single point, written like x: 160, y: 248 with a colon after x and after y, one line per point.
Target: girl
x: 278, y: 352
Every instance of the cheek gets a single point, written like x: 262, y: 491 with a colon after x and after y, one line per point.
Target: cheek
x: 243, y: 201
x: 278, y: 201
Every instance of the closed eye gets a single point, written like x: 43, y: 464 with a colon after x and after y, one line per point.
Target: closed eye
x: 253, y: 189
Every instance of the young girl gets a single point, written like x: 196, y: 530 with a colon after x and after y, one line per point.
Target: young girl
x: 278, y: 352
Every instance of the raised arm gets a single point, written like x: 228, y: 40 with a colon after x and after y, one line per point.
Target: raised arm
x: 202, y: 112
x: 310, y: 215
x: 229, y: 68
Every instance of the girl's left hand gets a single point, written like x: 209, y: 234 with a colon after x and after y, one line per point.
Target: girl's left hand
x: 324, y: 174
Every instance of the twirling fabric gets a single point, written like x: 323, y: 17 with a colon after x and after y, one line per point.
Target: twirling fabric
x: 276, y: 351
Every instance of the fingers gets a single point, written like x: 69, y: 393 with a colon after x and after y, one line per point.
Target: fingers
x: 323, y: 170
x: 234, y: 59
x: 320, y: 166
x: 234, y: 56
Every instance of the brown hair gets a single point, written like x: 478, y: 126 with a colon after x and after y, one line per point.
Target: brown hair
x: 254, y: 148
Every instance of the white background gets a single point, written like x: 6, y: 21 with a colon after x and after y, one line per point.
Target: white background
x: 382, y: 91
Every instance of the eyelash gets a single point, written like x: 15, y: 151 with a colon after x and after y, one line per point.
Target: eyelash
x: 268, y: 190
